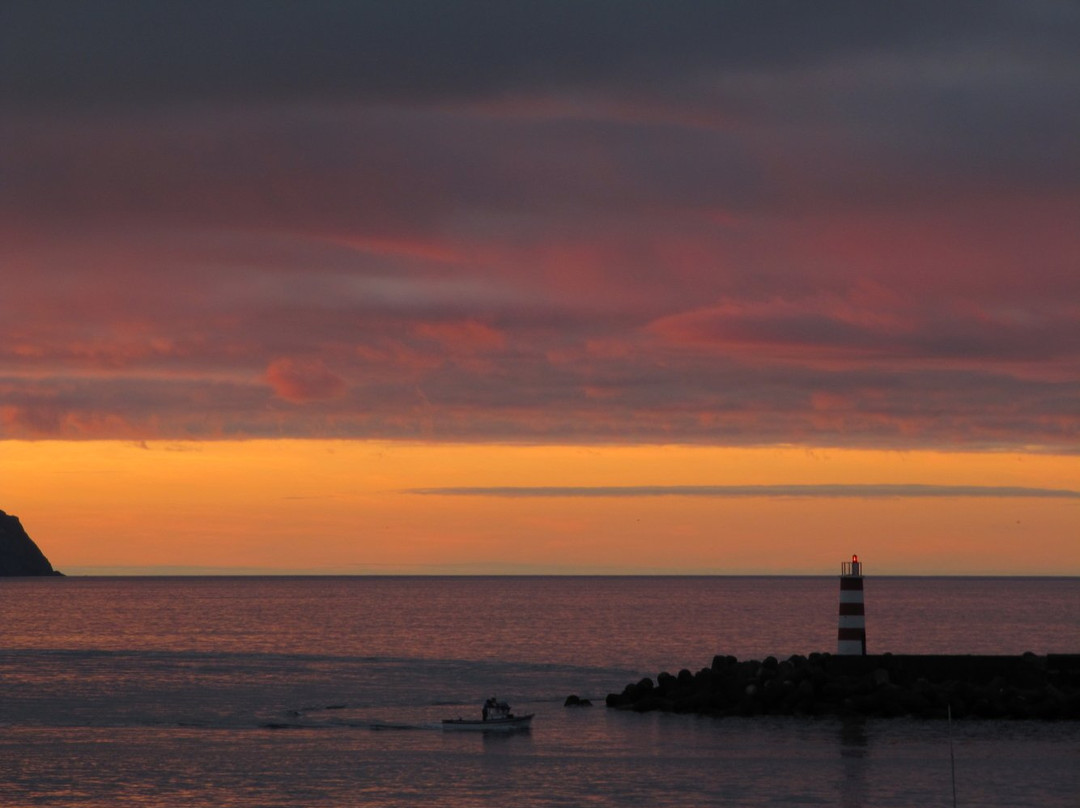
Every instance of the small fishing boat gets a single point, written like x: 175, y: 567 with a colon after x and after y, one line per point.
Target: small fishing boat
x: 495, y: 715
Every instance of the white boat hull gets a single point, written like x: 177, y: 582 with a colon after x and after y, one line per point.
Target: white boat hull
x: 490, y: 725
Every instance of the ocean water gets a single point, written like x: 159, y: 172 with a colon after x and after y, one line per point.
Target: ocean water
x: 329, y: 691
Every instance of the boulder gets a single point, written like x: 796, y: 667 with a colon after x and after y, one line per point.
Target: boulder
x: 575, y: 701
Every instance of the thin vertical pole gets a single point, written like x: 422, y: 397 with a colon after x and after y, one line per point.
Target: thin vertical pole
x: 952, y: 758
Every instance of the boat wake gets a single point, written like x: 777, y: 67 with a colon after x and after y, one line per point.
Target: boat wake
x: 495, y: 716
x: 383, y: 725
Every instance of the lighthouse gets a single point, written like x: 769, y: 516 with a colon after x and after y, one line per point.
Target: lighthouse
x: 851, y: 634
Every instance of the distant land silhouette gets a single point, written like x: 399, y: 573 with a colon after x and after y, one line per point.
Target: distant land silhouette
x: 19, y: 555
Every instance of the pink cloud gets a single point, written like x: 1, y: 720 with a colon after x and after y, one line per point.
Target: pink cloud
x: 467, y: 336
x: 304, y: 380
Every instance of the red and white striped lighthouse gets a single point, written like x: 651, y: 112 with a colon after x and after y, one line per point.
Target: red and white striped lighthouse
x: 851, y: 634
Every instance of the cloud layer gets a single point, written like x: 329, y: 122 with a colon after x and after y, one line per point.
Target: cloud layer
x: 844, y: 491
x: 701, y: 222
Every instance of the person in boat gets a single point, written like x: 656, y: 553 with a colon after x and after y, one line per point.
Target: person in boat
x: 488, y: 705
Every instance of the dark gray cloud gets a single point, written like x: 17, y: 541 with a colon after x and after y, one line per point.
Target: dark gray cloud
x: 114, y: 52
x: 843, y: 491
x: 375, y: 170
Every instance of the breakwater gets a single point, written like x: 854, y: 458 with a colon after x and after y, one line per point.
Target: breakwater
x: 884, y: 685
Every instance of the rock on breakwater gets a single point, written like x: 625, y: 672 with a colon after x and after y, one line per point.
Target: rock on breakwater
x: 885, y: 685
x: 19, y: 555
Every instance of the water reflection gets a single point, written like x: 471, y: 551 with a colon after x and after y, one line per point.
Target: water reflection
x: 503, y: 743
x: 854, y: 756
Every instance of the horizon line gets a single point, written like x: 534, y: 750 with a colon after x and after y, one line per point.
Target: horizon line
x: 179, y: 571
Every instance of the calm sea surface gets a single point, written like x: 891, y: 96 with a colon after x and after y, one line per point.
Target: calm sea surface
x: 328, y: 691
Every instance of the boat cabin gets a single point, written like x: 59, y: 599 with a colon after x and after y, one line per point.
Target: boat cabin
x: 494, y: 709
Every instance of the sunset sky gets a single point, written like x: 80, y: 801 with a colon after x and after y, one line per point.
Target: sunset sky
x: 612, y: 286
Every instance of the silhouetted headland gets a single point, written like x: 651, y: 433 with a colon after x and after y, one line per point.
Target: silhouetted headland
x: 881, y: 685
x: 19, y: 555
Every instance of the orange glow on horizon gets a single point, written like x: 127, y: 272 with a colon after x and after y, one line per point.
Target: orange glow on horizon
x: 349, y: 507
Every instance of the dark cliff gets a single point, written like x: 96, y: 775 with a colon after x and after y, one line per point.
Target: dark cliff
x: 18, y: 553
